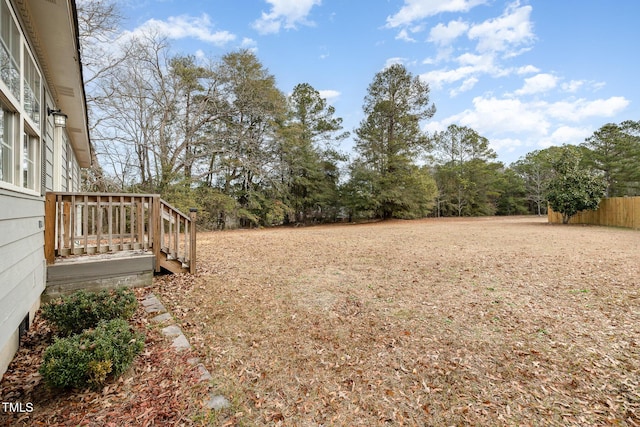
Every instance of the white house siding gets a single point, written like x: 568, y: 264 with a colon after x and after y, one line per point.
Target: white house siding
x: 22, y: 275
x: 74, y: 176
x: 63, y: 164
x: 22, y: 263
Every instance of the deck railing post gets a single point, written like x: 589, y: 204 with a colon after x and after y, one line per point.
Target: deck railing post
x: 50, y: 227
x: 192, y: 240
x: 156, y: 223
x: 66, y: 214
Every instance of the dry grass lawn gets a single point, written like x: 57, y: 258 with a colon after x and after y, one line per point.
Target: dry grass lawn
x: 496, y: 321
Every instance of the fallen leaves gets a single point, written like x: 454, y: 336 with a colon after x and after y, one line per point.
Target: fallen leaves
x: 161, y: 388
x: 436, y: 322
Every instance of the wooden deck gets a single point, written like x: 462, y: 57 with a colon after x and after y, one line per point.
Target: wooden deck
x: 97, y: 240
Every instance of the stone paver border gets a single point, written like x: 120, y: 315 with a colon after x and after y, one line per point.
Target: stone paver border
x: 172, y: 331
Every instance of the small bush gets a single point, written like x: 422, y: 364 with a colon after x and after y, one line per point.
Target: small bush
x: 92, y: 357
x: 82, y: 310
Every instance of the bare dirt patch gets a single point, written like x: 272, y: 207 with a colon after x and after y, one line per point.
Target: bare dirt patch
x: 495, y: 321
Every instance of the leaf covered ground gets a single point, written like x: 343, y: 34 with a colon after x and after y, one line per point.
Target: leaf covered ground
x: 161, y: 388
x: 495, y: 321
x: 438, y: 322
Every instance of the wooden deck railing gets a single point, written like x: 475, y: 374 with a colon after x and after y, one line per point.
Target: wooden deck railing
x: 98, y: 223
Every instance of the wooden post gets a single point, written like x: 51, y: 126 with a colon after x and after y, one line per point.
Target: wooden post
x: 132, y: 222
x: 99, y: 225
x: 139, y: 220
x: 66, y: 236
x: 192, y: 237
x: 85, y: 224
x: 110, y: 224
x: 72, y: 225
x: 170, y: 232
x: 156, y: 223
x: 50, y: 227
x: 176, y: 243
x: 122, y: 224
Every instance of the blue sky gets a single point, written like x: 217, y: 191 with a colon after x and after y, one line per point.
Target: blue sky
x: 524, y: 74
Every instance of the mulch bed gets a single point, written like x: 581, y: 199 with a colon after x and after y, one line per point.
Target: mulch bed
x: 161, y: 388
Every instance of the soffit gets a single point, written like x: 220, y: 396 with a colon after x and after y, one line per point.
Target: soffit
x: 51, y: 27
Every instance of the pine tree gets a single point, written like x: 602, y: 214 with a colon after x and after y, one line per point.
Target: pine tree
x: 389, y: 140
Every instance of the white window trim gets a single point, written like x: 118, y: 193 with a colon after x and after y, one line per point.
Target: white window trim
x: 31, y: 163
x: 24, y: 122
x: 33, y: 125
x: 12, y: 187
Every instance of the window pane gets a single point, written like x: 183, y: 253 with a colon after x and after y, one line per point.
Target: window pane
x: 9, y: 51
x: 31, y: 90
x: 30, y: 149
x: 6, y: 145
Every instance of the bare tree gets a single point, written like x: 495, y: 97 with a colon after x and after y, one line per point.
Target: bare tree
x: 98, y: 24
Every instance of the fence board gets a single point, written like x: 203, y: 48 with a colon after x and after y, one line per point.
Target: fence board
x: 613, y: 212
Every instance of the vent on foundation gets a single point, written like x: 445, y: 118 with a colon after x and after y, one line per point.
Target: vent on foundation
x: 23, y: 328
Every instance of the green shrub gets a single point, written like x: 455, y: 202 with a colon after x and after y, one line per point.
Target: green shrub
x: 92, y: 357
x: 82, y: 310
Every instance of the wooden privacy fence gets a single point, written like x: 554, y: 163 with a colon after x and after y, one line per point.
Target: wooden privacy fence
x: 97, y: 223
x: 614, y: 211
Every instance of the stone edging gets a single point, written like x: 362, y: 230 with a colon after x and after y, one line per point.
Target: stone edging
x: 153, y: 306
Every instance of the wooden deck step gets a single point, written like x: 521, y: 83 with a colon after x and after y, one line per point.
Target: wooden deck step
x: 173, y: 265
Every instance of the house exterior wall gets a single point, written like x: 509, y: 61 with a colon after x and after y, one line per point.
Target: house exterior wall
x: 35, y: 157
x: 22, y: 275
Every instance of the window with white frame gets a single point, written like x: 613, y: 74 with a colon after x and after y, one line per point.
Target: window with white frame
x: 31, y: 89
x: 30, y: 161
x: 9, y: 51
x: 7, y: 143
x: 20, y: 112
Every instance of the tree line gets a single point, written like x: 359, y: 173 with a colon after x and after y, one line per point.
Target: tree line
x: 219, y: 135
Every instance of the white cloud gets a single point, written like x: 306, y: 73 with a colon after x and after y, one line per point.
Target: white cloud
x: 511, y: 122
x: 484, y: 62
x: 566, y: 135
x: 494, y: 115
x: 445, y: 34
x: 512, y: 115
x: 512, y: 29
x: 404, y: 35
x: 468, y: 84
x: 470, y: 66
x: 249, y: 42
x: 508, y: 145
x: 416, y: 10
x: 284, y: 13
x: 581, y: 109
x: 542, y: 82
x: 527, y: 69
x: 572, y: 86
x: 437, y: 78
x: 444, y: 54
x: 184, y: 26
x: 329, y: 94
x: 435, y: 126
x: 393, y: 61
